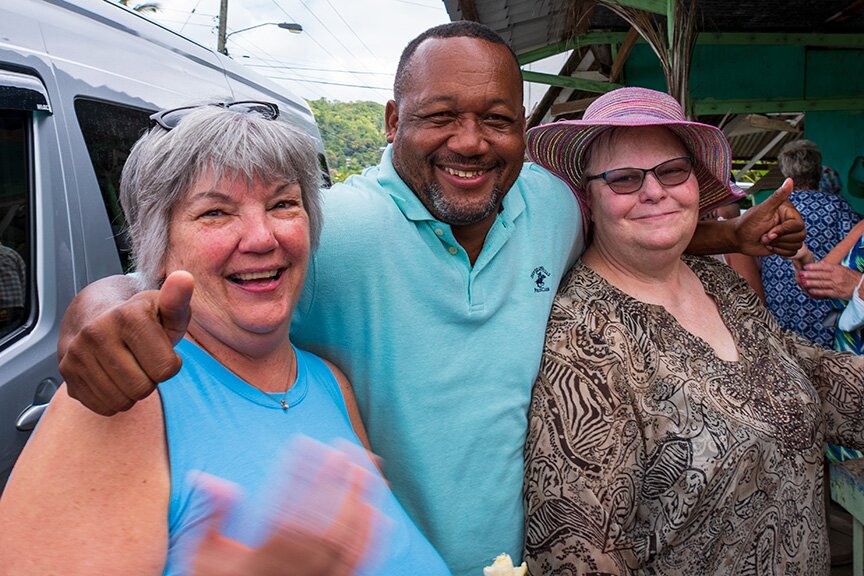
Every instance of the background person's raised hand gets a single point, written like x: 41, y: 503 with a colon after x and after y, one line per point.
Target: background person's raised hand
x: 118, y: 357
x: 826, y: 280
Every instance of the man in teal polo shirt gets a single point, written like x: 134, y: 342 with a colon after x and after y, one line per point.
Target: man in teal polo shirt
x: 431, y: 289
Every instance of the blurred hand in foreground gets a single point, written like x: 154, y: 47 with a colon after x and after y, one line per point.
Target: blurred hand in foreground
x: 321, y: 521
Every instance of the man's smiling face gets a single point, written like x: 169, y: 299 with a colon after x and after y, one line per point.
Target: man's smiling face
x: 458, y: 129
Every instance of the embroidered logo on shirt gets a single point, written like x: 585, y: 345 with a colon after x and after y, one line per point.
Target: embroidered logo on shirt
x: 539, y: 276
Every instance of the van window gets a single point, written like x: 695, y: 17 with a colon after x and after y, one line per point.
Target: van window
x: 16, y: 234
x: 109, y: 132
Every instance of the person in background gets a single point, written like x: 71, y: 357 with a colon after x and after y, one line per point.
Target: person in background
x: 837, y: 274
x: 13, y: 284
x: 431, y: 289
x: 828, y: 218
x: 225, y: 196
x: 675, y: 427
x: 837, y: 277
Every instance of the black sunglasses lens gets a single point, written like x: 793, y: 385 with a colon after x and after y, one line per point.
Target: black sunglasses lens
x: 263, y: 109
x: 171, y: 119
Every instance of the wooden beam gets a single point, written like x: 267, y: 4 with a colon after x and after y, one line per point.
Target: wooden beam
x: 577, y: 42
x: 623, y: 54
x: 765, y: 149
x: 713, y: 106
x: 572, y: 107
x: 853, y: 9
x: 570, y: 66
x: 817, y: 40
x: 774, y: 124
x: 569, y: 82
x: 780, y: 39
x: 469, y: 10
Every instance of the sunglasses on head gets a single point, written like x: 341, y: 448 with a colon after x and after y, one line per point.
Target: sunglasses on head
x: 628, y: 180
x: 169, y: 119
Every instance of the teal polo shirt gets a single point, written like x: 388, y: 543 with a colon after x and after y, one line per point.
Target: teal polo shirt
x: 442, y: 355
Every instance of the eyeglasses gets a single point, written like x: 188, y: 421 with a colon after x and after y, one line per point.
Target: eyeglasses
x: 628, y: 180
x: 169, y: 119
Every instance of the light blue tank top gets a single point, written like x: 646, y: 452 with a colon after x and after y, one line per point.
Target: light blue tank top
x: 218, y: 424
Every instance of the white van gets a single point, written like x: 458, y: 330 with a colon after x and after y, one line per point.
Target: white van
x: 78, y: 80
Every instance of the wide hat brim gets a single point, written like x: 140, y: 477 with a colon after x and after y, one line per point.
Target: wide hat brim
x: 560, y: 148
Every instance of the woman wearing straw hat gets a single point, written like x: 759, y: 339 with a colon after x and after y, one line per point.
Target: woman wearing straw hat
x: 675, y: 428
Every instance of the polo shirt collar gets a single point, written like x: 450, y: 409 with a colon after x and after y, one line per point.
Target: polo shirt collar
x: 413, y: 208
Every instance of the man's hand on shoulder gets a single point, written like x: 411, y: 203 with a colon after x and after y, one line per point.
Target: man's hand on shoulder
x: 772, y: 227
x: 116, y: 358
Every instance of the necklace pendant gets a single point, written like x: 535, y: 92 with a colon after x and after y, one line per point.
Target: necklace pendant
x: 284, y: 404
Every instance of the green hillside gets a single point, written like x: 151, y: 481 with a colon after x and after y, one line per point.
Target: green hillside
x: 353, y: 134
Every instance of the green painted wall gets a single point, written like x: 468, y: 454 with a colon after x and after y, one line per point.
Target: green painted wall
x: 746, y: 72
x: 840, y: 135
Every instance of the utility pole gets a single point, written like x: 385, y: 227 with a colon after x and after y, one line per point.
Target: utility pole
x: 223, y: 25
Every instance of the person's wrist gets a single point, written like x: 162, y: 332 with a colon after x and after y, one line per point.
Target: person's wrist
x: 734, y: 234
x: 858, y: 292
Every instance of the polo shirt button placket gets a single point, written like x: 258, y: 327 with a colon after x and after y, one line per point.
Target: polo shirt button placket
x: 453, y: 250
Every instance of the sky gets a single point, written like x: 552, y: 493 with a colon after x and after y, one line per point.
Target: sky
x: 348, y: 49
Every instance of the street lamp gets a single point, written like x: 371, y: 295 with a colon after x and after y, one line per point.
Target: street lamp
x: 292, y: 27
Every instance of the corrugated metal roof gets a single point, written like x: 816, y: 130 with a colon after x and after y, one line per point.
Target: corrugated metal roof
x: 749, y: 145
x: 524, y: 24
x: 527, y: 25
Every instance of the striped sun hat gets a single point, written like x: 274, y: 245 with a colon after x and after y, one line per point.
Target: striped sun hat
x: 560, y: 147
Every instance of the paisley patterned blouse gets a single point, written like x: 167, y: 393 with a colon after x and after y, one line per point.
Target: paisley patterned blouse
x: 647, y: 454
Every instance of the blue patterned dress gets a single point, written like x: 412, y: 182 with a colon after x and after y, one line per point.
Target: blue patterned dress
x: 828, y: 218
x: 849, y: 342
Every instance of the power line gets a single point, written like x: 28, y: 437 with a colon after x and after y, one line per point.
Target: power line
x: 164, y: 10
x: 418, y: 4
x: 167, y: 21
x: 287, y: 67
x: 190, y: 16
x: 306, y: 32
x: 245, y: 41
x: 326, y: 82
x: 355, y: 33
x: 311, y: 37
x: 327, y: 28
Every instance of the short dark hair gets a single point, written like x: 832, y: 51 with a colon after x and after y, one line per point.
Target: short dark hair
x: 458, y: 29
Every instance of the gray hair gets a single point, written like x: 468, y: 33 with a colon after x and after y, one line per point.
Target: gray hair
x: 164, y: 164
x: 801, y: 160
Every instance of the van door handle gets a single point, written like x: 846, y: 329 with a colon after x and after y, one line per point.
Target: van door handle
x: 29, y: 417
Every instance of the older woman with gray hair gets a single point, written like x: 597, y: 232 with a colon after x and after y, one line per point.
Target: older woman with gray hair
x: 828, y: 219
x: 226, y: 196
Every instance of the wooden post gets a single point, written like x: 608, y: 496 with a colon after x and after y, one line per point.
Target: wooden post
x: 223, y: 27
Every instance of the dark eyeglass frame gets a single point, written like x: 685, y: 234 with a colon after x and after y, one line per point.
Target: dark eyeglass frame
x: 267, y: 110
x: 610, y: 174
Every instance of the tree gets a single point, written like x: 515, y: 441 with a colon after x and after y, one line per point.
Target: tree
x: 353, y: 135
